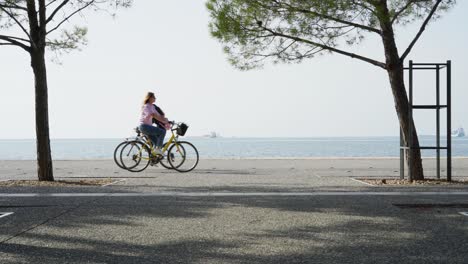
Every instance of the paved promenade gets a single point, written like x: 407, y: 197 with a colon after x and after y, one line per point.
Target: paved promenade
x: 233, y: 211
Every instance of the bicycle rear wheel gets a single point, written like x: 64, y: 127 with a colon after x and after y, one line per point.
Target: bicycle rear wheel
x: 117, y: 152
x: 135, y: 156
x: 185, y: 156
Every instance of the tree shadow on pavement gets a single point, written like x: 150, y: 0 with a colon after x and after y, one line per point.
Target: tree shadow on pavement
x: 308, y: 229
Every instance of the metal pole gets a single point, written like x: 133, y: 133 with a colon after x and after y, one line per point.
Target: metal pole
x: 402, y: 156
x: 410, y: 125
x: 449, y: 120
x: 438, y: 118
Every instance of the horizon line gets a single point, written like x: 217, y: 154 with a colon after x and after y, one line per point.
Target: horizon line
x: 224, y: 137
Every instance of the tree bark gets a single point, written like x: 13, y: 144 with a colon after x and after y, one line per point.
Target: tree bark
x: 413, y: 156
x: 38, y: 32
x: 44, y: 159
x: 395, y: 70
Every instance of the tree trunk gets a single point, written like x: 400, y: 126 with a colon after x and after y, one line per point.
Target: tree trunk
x: 413, y: 156
x: 44, y: 159
x: 395, y: 70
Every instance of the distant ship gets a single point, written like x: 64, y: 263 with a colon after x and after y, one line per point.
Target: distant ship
x: 212, y: 135
x: 459, y: 132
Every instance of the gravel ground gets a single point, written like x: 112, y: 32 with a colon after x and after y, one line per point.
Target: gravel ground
x: 56, y: 183
x: 429, y: 182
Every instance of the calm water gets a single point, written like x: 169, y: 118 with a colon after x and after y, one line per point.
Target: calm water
x: 76, y: 149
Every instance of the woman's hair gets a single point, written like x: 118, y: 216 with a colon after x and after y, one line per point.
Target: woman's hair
x: 148, y: 96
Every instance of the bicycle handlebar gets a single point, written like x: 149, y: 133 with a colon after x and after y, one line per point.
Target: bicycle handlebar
x: 173, y: 124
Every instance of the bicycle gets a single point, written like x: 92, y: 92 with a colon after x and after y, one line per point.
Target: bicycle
x: 138, y: 137
x: 182, y: 156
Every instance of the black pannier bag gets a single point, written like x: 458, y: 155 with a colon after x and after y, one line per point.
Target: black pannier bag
x: 182, y: 129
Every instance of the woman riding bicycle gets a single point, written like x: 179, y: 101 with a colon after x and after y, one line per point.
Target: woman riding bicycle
x: 148, y: 112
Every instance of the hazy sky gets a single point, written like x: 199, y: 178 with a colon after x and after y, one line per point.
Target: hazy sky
x: 165, y: 47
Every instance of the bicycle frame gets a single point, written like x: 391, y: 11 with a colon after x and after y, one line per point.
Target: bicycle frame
x: 172, y: 140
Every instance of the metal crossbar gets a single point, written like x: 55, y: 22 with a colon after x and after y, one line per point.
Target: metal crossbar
x: 429, y: 106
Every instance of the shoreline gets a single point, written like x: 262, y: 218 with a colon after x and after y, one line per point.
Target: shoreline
x: 262, y: 158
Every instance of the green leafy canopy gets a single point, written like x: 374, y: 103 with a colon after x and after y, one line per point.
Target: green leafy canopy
x: 254, y: 31
x: 54, y: 19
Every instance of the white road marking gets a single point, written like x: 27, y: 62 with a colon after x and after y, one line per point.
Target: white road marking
x: 464, y: 213
x: 232, y: 194
x: 363, y: 182
x: 5, y: 214
x: 114, y: 182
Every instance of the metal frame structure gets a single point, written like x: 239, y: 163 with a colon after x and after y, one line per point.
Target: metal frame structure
x: 437, y: 67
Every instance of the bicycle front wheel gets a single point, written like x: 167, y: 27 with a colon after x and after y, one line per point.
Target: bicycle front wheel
x: 183, y: 156
x: 135, y: 156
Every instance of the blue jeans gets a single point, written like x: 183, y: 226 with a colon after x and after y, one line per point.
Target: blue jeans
x: 156, y: 134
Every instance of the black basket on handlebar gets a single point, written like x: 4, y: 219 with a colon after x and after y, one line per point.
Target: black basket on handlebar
x: 182, y: 129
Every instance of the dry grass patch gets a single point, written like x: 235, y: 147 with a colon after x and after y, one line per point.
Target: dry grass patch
x: 426, y: 182
x: 56, y: 183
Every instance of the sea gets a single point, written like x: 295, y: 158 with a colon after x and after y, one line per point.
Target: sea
x: 237, y: 147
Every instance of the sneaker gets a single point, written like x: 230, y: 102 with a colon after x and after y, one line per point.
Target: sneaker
x: 157, y: 151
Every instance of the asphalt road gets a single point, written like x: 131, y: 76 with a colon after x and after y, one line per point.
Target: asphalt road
x: 232, y: 213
